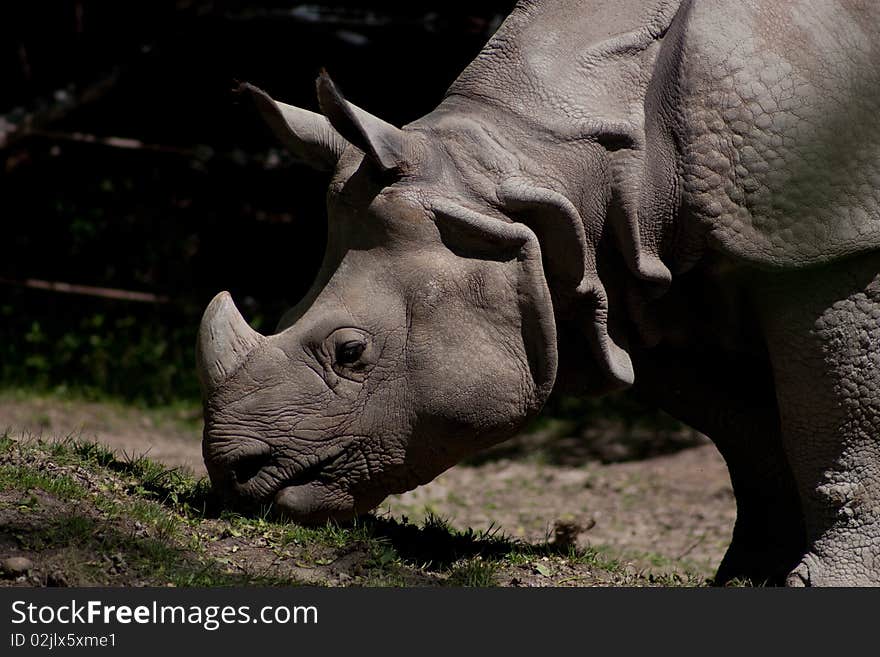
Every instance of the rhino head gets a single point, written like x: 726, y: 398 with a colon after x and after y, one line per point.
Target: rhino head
x: 428, y: 334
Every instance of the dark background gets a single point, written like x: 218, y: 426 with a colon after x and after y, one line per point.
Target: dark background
x: 129, y: 169
x: 127, y: 164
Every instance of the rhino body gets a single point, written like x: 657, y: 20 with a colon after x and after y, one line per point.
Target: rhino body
x: 680, y: 196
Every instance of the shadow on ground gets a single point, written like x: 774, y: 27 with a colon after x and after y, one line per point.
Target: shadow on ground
x: 565, y: 443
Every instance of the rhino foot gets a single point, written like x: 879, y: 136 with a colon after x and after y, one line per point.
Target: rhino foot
x: 815, y: 571
x: 753, y: 565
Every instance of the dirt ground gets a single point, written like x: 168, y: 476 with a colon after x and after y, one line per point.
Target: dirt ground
x: 656, y: 499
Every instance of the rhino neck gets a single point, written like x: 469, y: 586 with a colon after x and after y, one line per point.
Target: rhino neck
x: 559, y: 96
x: 563, y: 77
x: 567, y: 197
x: 570, y: 67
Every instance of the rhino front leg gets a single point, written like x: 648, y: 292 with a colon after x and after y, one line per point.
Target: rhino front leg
x: 768, y: 537
x: 731, y: 399
x: 823, y: 333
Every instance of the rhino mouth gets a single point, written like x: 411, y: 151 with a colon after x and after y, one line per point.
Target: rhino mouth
x: 308, y: 491
x: 321, y: 470
x: 258, y: 478
x: 322, y: 492
x: 305, y: 497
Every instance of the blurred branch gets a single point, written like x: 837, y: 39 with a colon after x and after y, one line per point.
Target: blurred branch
x: 114, y: 142
x: 199, y: 154
x: 337, y: 16
x: 88, y: 290
x: 63, y: 103
x: 356, y: 18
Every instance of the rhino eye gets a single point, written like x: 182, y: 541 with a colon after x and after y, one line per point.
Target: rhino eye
x: 350, y: 352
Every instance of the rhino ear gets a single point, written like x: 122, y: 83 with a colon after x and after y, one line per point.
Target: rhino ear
x: 477, y: 235
x: 309, y: 136
x: 385, y: 144
x: 572, y: 271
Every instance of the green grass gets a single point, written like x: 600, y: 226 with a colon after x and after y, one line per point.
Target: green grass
x: 474, y: 572
x: 26, y: 478
x: 120, y: 492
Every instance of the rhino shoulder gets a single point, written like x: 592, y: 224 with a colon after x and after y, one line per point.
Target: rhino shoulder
x: 773, y: 108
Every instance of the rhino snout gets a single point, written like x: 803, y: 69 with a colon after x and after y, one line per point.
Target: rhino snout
x: 249, y: 472
x: 238, y: 468
x: 234, y: 466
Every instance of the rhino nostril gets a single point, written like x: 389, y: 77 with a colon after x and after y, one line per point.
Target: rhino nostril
x: 247, y: 467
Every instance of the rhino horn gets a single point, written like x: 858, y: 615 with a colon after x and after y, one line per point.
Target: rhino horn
x: 384, y: 143
x: 307, y: 135
x: 224, y: 341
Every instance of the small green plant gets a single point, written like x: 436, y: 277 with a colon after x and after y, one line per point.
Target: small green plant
x: 25, y: 478
x: 474, y: 572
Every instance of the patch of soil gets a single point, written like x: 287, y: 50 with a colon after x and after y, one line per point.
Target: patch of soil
x: 674, y: 511
x: 168, y: 436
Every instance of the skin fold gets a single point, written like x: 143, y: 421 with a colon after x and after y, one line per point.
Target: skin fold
x: 679, y: 196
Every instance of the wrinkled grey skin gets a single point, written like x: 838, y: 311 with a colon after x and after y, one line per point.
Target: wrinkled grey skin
x: 679, y: 196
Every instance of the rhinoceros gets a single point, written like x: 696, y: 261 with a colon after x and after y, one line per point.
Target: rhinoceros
x: 677, y: 196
